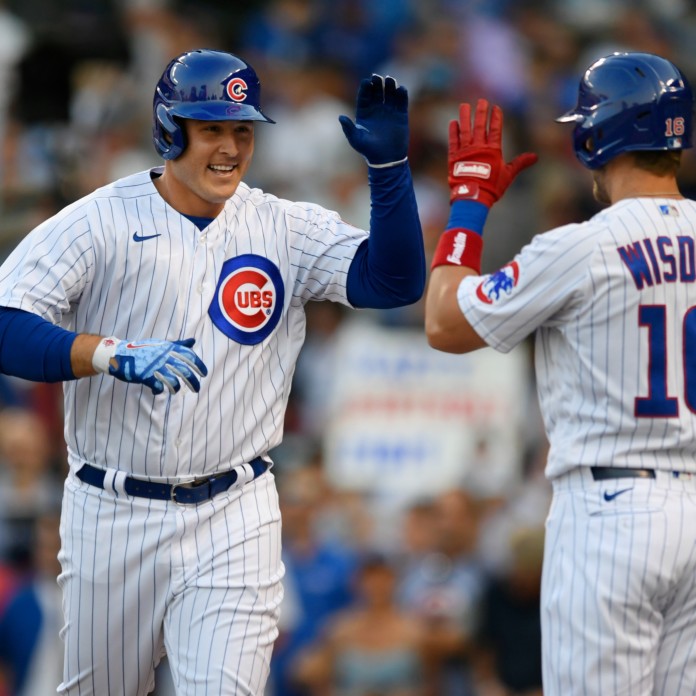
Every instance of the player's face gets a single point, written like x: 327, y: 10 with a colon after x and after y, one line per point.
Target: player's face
x: 216, y: 158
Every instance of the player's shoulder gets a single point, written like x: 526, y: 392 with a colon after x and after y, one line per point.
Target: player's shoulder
x: 572, y: 235
x: 130, y: 186
x: 84, y: 208
x: 300, y: 211
x: 252, y: 196
x: 645, y: 208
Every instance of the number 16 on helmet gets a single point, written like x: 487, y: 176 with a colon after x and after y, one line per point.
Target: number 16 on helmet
x: 629, y: 102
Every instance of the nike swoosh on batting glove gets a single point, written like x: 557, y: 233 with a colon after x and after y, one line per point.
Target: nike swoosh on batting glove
x: 380, y: 131
x: 155, y: 363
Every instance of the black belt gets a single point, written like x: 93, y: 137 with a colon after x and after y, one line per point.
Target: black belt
x: 602, y: 473
x: 189, y: 493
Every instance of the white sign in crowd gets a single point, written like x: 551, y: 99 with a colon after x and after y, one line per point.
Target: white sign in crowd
x: 406, y: 420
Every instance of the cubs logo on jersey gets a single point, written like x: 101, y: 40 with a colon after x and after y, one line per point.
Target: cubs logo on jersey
x: 248, y: 299
x: 500, y: 283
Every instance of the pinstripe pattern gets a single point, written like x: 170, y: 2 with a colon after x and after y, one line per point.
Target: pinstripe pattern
x: 141, y: 575
x: 591, y: 352
x: 613, y: 304
x: 619, y: 587
x: 204, y: 582
x: 83, y: 270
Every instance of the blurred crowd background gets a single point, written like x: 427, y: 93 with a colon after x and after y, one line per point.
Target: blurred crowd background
x: 419, y: 574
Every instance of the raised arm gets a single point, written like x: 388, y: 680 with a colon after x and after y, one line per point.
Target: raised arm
x: 388, y: 270
x: 478, y: 176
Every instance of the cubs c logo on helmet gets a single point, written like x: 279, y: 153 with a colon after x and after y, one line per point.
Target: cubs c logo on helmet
x: 502, y: 281
x: 248, y: 299
x: 237, y: 89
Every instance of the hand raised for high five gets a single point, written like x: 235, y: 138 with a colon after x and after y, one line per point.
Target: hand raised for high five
x: 380, y: 130
x: 477, y: 169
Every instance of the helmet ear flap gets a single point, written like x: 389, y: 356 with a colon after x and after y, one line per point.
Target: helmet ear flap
x: 169, y: 136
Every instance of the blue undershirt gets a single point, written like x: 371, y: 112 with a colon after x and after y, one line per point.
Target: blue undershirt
x: 388, y: 269
x: 200, y: 222
x: 33, y: 348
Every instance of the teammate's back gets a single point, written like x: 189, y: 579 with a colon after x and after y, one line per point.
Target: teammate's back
x: 614, y: 396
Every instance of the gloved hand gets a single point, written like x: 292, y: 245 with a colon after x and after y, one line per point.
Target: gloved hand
x: 154, y: 363
x: 477, y: 170
x: 380, y: 131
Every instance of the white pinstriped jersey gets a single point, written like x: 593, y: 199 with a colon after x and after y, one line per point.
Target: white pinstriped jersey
x: 122, y: 262
x: 613, y: 303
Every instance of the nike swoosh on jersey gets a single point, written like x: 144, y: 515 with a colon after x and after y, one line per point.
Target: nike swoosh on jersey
x: 610, y: 496
x: 141, y: 238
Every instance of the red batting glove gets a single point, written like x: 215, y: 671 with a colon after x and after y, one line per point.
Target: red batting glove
x: 477, y: 170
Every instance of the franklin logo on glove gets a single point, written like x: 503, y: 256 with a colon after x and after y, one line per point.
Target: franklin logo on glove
x: 479, y: 169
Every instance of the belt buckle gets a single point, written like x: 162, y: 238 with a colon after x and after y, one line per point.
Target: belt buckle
x: 172, y: 493
x: 193, y: 483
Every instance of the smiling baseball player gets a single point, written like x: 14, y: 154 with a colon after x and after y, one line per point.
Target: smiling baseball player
x: 612, y: 302
x: 185, y: 276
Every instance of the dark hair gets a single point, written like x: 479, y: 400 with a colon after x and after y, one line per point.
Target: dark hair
x: 658, y: 162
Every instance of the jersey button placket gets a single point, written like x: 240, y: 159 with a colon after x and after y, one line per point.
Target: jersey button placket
x: 203, y: 260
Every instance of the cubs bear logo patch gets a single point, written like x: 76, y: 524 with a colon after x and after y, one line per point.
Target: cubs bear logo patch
x: 504, y: 280
x: 248, y: 299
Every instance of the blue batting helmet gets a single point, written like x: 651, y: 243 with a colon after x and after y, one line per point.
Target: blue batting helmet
x: 628, y: 102
x: 205, y: 85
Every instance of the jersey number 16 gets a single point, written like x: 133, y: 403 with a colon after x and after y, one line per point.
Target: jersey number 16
x: 658, y: 403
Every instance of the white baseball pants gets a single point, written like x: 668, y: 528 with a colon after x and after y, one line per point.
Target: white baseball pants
x: 141, y: 577
x: 619, y: 587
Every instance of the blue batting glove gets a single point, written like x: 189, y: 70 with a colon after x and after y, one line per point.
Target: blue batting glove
x: 156, y: 364
x: 380, y: 131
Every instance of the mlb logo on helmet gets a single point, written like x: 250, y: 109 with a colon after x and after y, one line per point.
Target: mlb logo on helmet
x: 248, y: 299
x: 503, y: 280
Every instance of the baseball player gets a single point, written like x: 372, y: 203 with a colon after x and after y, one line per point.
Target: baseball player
x: 612, y: 303
x: 185, y: 276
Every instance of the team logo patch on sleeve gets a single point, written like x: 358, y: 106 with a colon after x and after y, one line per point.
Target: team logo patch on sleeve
x: 248, y: 299
x: 499, y: 284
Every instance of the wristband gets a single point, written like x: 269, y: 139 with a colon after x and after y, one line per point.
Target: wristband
x: 459, y: 247
x: 468, y: 215
x: 103, y: 354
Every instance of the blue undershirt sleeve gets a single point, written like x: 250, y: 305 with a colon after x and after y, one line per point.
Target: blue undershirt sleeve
x: 33, y: 348
x: 388, y: 269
